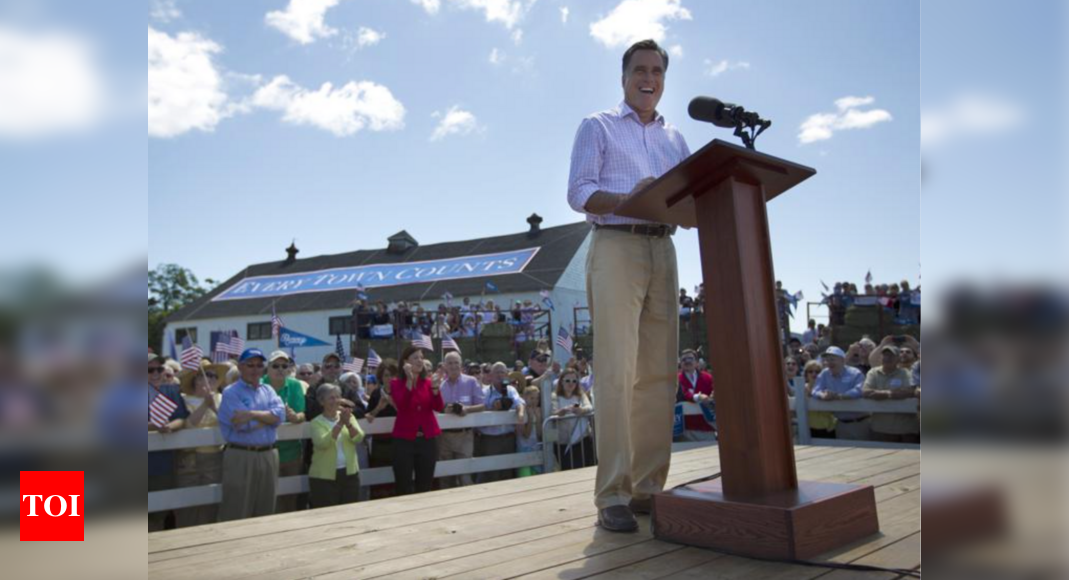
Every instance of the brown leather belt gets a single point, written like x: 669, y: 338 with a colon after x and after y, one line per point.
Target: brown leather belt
x: 249, y: 447
x: 650, y: 230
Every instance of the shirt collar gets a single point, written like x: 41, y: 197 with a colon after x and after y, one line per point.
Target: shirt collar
x: 625, y: 110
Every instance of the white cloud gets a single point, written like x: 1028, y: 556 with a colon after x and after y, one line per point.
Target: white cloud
x: 431, y: 6
x: 184, y: 87
x: 343, y: 111
x: 517, y: 36
x: 368, y: 37
x: 635, y: 20
x: 822, y: 126
x: 564, y: 11
x: 164, y: 11
x: 970, y: 114
x: 456, y: 121
x: 496, y: 57
x: 676, y: 50
x: 302, y: 20
x: 50, y: 82
x: 507, y: 12
x: 853, y: 102
x: 715, y: 69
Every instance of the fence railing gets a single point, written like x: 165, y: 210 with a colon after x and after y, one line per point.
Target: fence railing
x: 209, y: 494
x: 800, y: 407
x: 183, y: 497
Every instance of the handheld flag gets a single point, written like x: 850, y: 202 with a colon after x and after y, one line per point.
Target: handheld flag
x: 565, y: 340
x: 159, y: 411
x: 448, y: 342
x: 339, y: 348
x: 354, y: 366
x: 191, y: 354
x: 491, y: 286
x: 424, y: 341
x: 373, y: 359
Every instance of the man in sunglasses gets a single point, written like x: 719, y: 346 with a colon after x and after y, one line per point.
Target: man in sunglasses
x: 292, y: 395
x: 249, y: 416
x: 161, y: 464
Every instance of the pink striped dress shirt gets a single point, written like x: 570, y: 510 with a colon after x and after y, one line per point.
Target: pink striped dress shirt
x: 613, y: 151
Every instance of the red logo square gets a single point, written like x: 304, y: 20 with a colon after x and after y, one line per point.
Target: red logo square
x: 52, y: 506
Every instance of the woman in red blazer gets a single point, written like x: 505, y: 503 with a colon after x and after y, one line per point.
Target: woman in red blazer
x: 415, y: 430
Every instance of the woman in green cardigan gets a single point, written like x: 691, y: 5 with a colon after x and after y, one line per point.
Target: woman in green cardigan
x: 334, y: 477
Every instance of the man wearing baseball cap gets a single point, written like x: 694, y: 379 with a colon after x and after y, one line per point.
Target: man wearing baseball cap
x: 889, y: 381
x: 838, y: 381
x: 249, y: 416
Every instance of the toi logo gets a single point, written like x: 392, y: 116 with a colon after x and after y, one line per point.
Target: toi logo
x: 51, y: 506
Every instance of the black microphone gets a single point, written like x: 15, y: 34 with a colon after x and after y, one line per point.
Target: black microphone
x: 713, y: 110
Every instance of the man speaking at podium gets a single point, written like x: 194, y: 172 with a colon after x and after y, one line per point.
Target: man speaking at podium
x: 632, y: 285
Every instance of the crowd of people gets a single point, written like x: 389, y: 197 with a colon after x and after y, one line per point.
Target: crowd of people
x: 899, y: 300
x: 248, y: 399
x: 522, y: 319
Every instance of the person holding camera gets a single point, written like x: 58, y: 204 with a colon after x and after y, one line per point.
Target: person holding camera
x: 415, y: 431
x: 462, y: 395
x: 500, y: 439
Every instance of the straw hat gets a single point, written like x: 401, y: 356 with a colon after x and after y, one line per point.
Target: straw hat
x: 186, y: 377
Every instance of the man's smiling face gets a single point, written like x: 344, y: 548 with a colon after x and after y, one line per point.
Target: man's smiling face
x: 644, y: 81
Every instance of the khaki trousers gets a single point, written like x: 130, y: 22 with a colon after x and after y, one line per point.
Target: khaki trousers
x: 456, y: 445
x: 250, y: 479
x: 632, y: 290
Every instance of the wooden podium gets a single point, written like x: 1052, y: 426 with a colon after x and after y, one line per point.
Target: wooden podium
x: 757, y: 507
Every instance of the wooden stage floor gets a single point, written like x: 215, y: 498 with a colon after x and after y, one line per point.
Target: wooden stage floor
x: 534, y: 527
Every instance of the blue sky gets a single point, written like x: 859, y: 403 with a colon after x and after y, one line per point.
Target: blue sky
x: 994, y: 206
x: 257, y: 160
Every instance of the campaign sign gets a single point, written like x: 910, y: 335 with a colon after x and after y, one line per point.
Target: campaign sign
x: 366, y: 278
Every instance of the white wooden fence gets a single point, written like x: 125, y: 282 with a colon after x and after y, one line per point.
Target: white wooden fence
x: 209, y: 494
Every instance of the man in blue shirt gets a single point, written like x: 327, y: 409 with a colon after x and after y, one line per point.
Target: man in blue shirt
x: 249, y: 415
x: 837, y: 382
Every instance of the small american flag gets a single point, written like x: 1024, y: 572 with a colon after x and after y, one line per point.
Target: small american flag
x: 339, y: 348
x: 448, y: 297
x: 276, y: 323
x: 491, y: 287
x: 868, y: 277
x: 424, y: 341
x: 354, y: 366
x: 159, y: 411
x: 564, y: 339
x: 361, y: 292
x: 448, y: 342
x: 373, y: 359
x: 191, y: 354
x: 229, y: 343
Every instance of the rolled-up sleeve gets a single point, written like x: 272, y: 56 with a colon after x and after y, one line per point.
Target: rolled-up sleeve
x: 587, y: 159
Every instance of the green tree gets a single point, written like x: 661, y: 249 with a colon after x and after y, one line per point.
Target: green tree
x: 170, y: 287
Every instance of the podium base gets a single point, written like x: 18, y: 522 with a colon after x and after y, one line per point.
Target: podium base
x: 792, y: 525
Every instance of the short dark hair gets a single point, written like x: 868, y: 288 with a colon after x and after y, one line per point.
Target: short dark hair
x: 645, y: 45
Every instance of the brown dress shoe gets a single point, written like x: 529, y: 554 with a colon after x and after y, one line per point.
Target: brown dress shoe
x: 617, y: 518
x: 642, y: 506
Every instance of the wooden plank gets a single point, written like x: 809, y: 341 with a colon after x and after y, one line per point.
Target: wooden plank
x: 212, y: 536
x: 214, y: 533
x: 308, y: 542
x: 904, y: 554
x: 661, y: 566
x: 446, y: 561
x: 510, y: 513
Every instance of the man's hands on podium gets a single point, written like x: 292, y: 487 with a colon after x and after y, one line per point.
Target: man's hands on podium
x: 603, y: 202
